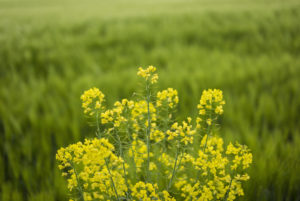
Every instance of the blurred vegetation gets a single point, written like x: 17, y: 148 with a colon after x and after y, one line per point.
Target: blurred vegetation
x: 51, y: 51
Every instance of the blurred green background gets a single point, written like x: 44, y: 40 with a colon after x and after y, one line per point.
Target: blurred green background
x: 53, y: 50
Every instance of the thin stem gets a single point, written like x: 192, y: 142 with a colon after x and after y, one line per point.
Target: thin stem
x: 207, y: 135
x: 130, y: 142
x: 98, y: 128
x: 166, y: 122
x: 78, y: 182
x: 128, y: 194
x: 148, y: 131
x: 228, y: 191
x: 112, y: 181
x: 206, y: 142
x: 208, y: 131
x: 174, y: 170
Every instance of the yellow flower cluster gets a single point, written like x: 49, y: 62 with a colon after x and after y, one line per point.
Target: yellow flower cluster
x: 147, y: 192
x: 138, y: 151
x: 242, y: 156
x: 115, y: 116
x: 140, y: 110
x: 157, y: 135
x: 92, y: 169
x: 128, y: 112
x: 166, y: 163
x: 210, y: 107
x: 212, y: 166
x: 145, y: 154
x: 148, y: 74
x: 92, y: 100
x: 211, y: 99
x: 169, y: 96
x: 182, y: 133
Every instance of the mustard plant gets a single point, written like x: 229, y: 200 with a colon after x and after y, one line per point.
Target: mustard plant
x: 141, y: 152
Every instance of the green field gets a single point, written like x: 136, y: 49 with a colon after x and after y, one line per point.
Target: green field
x: 51, y: 51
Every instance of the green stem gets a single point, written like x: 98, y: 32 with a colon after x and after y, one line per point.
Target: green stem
x: 208, y: 130
x: 78, y: 182
x: 166, y: 122
x: 207, y: 133
x: 148, y: 131
x: 174, y: 170
x: 128, y: 194
x: 98, y: 128
x: 112, y: 181
x: 206, y: 142
x: 228, y: 191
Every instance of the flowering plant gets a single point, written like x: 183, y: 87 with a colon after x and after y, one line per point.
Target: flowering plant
x: 141, y: 152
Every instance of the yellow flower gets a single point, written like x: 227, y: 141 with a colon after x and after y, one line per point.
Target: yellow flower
x: 100, y: 167
x: 148, y: 74
x: 92, y: 99
x: 211, y: 98
x: 156, y: 156
x: 208, y: 121
x: 167, y: 97
x: 219, y: 109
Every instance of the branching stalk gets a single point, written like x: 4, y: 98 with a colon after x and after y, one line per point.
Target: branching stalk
x: 128, y: 194
x: 228, y: 191
x: 207, y: 131
x: 148, y: 131
x: 78, y: 182
x: 174, y: 170
x: 98, y: 128
x: 112, y: 180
